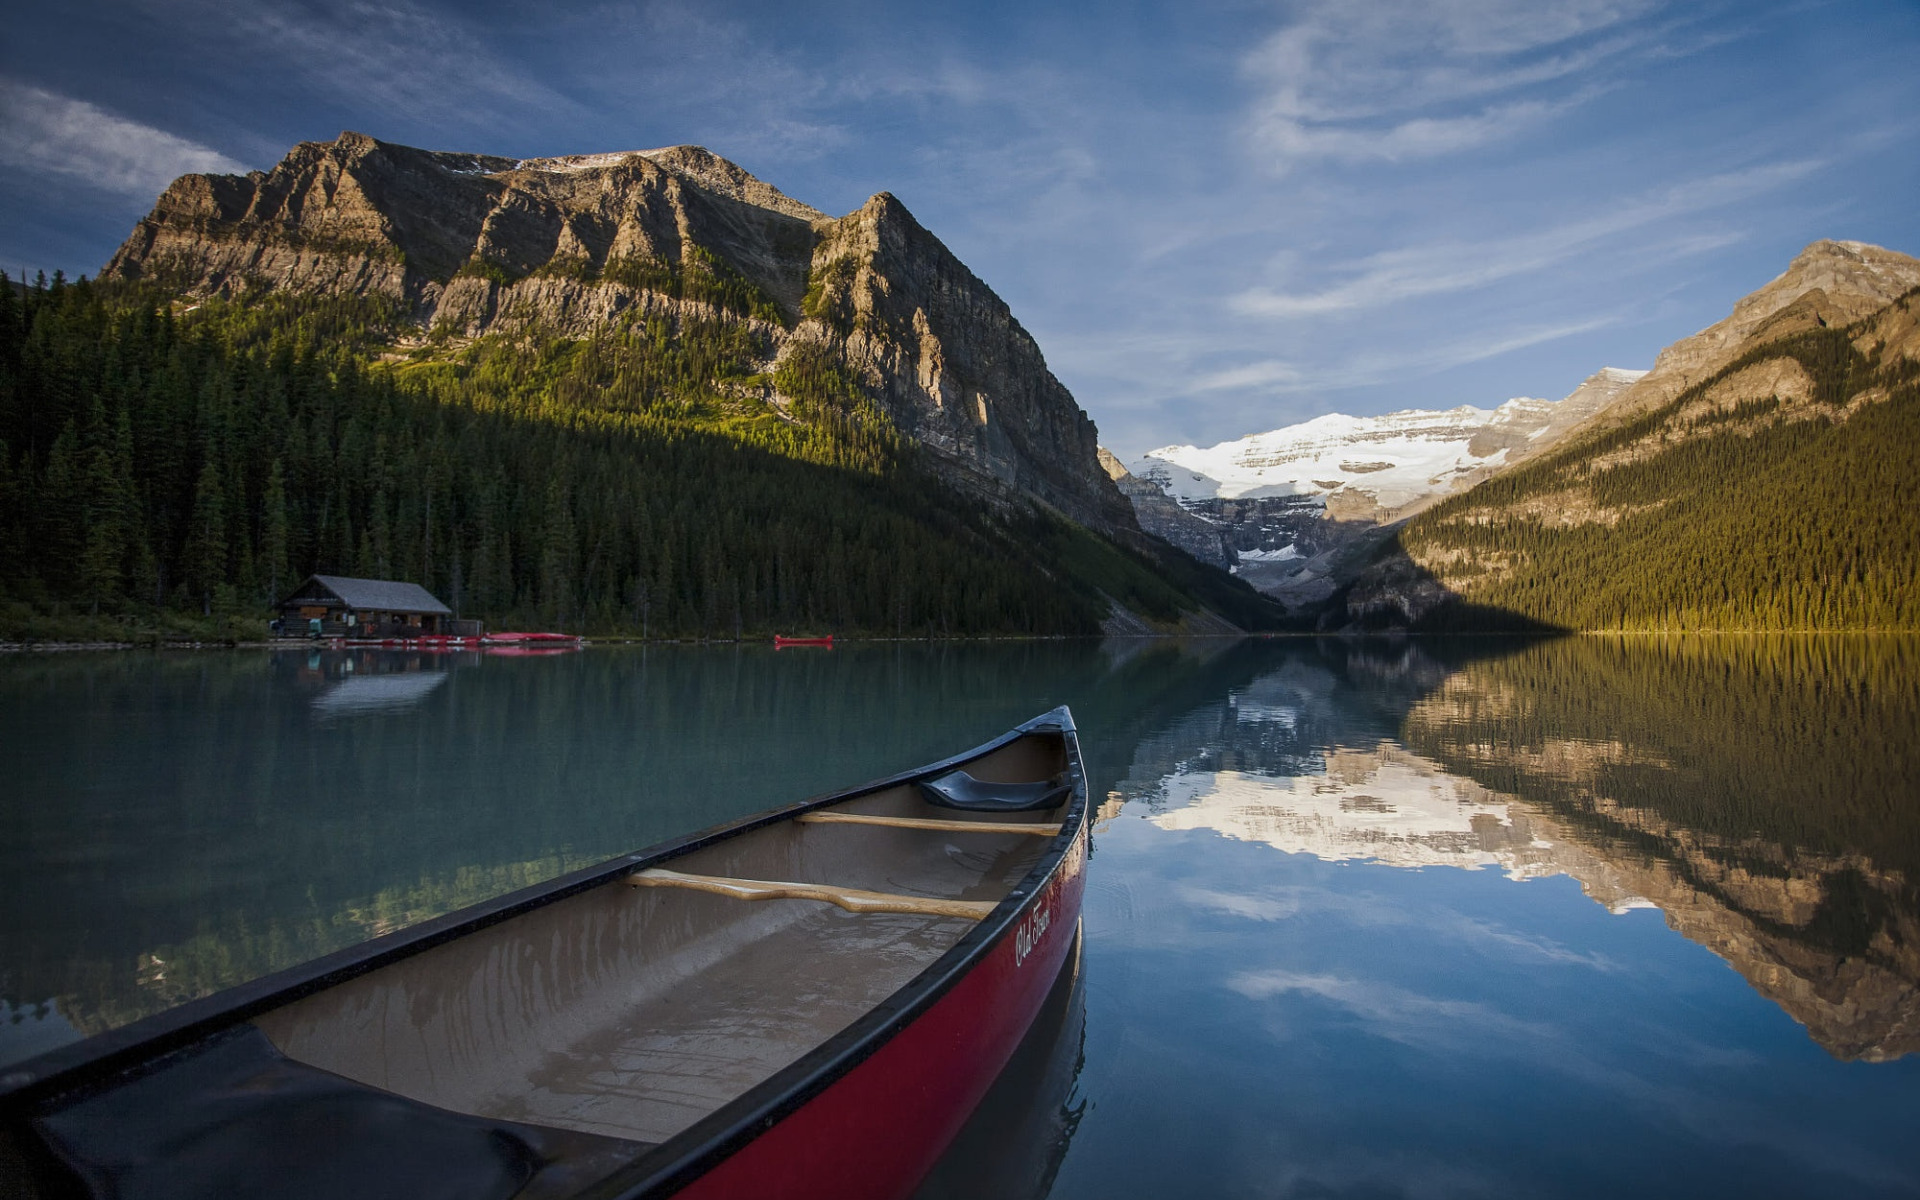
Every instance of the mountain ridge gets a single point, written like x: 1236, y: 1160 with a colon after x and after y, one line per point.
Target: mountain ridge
x: 1828, y: 282
x: 469, y: 245
x: 638, y: 392
x: 1756, y: 480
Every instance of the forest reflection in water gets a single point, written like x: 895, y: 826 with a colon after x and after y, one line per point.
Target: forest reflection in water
x: 1760, y: 792
x: 1281, y: 974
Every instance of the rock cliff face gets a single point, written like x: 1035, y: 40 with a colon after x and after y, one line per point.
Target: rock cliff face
x: 1163, y: 517
x: 952, y: 366
x: 1827, y: 284
x: 465, y: 245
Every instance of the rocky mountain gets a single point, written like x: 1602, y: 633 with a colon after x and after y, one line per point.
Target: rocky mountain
x: 1749, y: 478
x: 464, y: 246
x: 1162, y: 516
x: 1828, y: 284
x: 1757, y: 477
x: 636, y: 394
x: 1300, y: 506
x: 1382, y: 468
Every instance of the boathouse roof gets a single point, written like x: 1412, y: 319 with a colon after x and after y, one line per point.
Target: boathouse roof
x: 373, y: 595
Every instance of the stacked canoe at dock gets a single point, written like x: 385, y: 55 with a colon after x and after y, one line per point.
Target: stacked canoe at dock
x: 808, y: 1002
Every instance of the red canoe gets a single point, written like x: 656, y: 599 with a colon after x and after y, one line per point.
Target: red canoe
x: 804, y: 1003
x: 780, y: 642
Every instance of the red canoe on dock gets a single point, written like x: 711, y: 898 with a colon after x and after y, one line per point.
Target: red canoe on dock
x: 781, y: 643
x: 804, y: 1003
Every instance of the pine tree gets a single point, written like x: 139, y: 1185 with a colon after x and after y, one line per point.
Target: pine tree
x: 557, y: 555
x: 275, y: 535
x: 206, y: 550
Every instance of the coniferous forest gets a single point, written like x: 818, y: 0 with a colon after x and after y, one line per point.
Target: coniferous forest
x: 169, y: 462
x: 1766, y: 514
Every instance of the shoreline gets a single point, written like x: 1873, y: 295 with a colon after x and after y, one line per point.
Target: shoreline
x: 59, y: 647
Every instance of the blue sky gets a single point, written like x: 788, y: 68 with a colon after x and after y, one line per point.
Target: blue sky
x: 1216, y: 218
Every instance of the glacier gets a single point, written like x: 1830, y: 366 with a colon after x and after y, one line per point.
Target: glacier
x: 1393, y: 461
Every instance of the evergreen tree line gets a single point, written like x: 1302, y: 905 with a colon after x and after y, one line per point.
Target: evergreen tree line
x: 207, y: 459
x: 1752, y: 518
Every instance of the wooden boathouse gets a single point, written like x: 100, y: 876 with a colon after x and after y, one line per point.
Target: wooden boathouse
x: 369, y: 608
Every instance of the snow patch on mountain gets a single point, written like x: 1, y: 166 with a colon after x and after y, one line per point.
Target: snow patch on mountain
x: 1396, y: 458
x: 569, y: 164
x: 1392, y: 461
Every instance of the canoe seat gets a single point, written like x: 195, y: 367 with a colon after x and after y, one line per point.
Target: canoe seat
x: 854, y: 900
x: 957, y: 789
x: 237, y: 1118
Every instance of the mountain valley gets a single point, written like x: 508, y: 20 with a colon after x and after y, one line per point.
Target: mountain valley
x: 1295, y: 509
x: 1751, y: 479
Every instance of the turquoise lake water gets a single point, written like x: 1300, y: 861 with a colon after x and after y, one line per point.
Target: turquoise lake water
x: 1432, y: 918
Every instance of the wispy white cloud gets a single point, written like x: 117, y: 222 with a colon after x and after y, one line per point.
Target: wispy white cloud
x: 1413, y: 80
x: 761, y: 95
x: 1396, y: 1013
x: 396, y: 57
x: 47, y: 133
x: 1419, y: 137
x: 1268, y: 907
x: 1367, y: 368
x: 1395, y: 275
x: 1269, y: 373
x: 1509, y: 941
x: 1362, y: 369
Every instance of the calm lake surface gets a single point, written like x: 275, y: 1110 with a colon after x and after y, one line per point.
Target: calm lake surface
x: 1593, y: 917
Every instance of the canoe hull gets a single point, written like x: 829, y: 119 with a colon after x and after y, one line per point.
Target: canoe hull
x: 876, y: 1132
x: 857, y: 1110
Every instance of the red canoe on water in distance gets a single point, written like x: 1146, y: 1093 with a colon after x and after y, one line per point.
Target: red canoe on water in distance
x: 804, y: 1003
x: 780, y: 643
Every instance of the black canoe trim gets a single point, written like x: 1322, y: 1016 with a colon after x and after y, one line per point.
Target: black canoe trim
x: 66, y: 1073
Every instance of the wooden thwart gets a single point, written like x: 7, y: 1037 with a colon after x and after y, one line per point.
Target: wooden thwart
x: 829, y: 818
x: 851, y: 899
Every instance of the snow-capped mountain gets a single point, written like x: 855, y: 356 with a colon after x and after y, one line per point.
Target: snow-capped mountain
x: 1376, y: 467
x: 1296, y: 510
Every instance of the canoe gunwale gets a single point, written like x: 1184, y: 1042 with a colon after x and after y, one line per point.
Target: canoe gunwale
x: 106, y: 1060
x: 684, y: 1158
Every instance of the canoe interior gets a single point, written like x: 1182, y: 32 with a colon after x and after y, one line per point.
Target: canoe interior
x: 632, y: 1013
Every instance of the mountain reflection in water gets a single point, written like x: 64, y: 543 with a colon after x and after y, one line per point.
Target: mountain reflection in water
x: 1784, y: 844
x: 1286, y: 989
